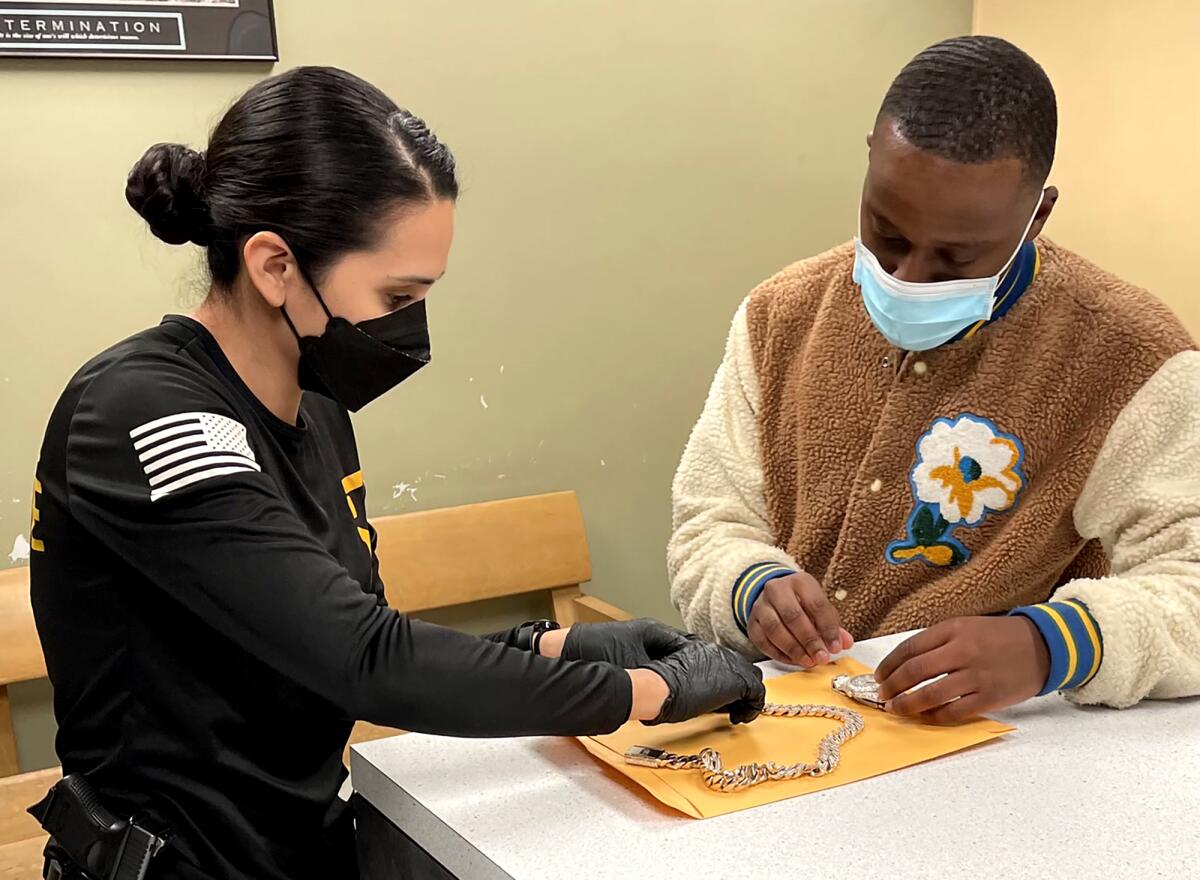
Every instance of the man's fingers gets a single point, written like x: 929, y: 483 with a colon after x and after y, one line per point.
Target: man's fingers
x: 773, y: 634
x: 760, y: 640
x: 921, y: 667
x: 960, y: 710
x: 820, y: 612
x: 786, y: 604
x: 921, y: 643
x: 932, y: 696
x: 846, y: 639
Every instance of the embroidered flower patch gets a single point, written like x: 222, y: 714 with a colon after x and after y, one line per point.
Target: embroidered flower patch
x: 966, y: 469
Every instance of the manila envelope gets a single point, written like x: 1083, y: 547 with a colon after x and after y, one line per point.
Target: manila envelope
x: 886, y: 743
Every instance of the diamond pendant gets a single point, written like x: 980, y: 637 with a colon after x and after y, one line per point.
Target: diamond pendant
x: 860, y: 688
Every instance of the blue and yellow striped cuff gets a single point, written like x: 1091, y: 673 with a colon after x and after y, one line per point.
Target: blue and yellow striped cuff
x: 1073, y: 637
x: 749, y: 585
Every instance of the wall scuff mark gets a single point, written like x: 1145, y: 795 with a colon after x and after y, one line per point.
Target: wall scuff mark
x: 20, y: 550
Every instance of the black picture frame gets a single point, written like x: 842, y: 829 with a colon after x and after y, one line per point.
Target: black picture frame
x: 196, y: 30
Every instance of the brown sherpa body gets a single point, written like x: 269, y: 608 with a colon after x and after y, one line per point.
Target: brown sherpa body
x: 918, y: 487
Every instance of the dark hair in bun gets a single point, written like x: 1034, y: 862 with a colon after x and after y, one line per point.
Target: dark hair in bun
x: 165, y: 188
x: 316, y: 155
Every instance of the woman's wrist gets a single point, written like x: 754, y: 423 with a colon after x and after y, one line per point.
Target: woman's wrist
x: 650, y: 692
x: 551, y: 643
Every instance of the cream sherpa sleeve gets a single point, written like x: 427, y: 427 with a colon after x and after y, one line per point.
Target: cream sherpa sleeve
x: 721, y: 548
x: 1142, y: 501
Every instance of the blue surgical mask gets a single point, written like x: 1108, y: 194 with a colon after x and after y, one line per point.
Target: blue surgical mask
x: 919, y: 316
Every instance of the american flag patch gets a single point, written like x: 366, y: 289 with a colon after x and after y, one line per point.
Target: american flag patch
x: 184, y: 449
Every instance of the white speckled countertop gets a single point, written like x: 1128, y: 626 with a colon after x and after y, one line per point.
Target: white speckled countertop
x: 1074, y: 793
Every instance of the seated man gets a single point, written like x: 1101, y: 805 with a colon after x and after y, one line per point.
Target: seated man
x: 952, y: 424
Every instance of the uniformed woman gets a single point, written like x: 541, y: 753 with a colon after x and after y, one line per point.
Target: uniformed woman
x: 210, y: 607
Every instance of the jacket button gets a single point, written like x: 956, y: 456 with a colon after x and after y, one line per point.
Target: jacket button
x: 840, y: 595
x: 877, y: 485
x: 920, y: 368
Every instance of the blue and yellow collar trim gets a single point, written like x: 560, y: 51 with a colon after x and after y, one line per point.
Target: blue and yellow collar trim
x: 1018, y: 279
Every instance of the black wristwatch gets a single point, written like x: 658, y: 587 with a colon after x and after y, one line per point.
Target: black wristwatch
x: 529, y: 635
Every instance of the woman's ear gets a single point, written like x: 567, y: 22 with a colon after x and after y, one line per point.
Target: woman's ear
x: 271, y: 267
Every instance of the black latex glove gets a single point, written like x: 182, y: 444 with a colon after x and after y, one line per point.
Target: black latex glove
x: 703, y: 677
x: 629, y: 644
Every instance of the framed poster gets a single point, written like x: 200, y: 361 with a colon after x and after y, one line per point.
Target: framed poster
x: 186, y: 29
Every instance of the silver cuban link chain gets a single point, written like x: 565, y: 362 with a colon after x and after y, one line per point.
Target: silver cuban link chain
x: 716, y: 777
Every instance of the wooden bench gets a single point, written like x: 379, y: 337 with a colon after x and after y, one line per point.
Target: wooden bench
x: 428, y: 560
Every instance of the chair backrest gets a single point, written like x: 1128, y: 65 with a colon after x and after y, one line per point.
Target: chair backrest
x: 16, y: 794
x: 20, y: 654
x: 456, y: 555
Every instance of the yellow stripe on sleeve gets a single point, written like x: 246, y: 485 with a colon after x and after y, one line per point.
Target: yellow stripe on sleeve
x: 1072, y: 654
x: 352, y: 482
x: 1093, y: 637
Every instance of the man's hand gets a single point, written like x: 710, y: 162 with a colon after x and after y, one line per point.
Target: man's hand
x: 793, y: 621
x: 989, y: 662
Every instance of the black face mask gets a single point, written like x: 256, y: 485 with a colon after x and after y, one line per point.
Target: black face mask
x: 355, y: 363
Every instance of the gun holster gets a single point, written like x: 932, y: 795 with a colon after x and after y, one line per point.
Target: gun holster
x: 87, y: 842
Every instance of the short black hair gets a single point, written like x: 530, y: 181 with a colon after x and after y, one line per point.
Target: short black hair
x: 976, y: 99
x: 317, y: 155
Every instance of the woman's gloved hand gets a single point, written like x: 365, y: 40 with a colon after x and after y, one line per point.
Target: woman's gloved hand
x: 628, y: 644
x: 702, y: 678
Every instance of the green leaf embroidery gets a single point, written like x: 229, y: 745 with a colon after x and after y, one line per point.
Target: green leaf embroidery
x: 925, y: 530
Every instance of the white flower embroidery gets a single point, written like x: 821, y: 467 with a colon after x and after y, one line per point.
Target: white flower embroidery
x: 968, y: 468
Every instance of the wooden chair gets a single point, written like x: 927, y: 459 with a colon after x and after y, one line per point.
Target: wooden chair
x: 21, y: 838
x: 432, y: 559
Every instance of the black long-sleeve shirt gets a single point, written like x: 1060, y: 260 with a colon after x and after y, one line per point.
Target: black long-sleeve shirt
x: 207, y: 594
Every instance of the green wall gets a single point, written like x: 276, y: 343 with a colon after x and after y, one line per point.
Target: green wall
x: 630, y: 171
